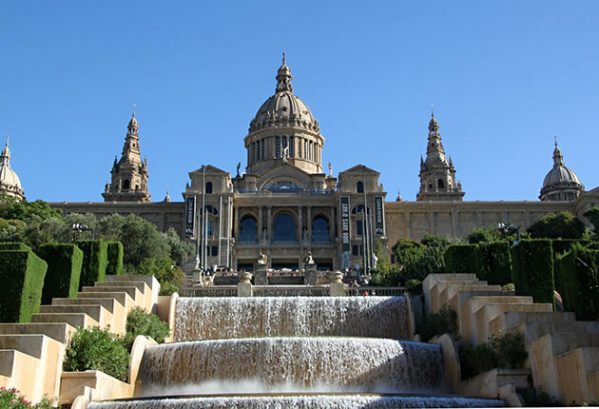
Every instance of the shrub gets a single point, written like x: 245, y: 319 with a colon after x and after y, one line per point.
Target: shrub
x: 170, y: 276
x: 533, y: 270
x: 510, y: 350
x: 562, y: 225
x: 22, y: 277
x: 477, y: 359
x: 114, y: 254
x: 97, y: 349
x: 538, y: 398
x: 12, y: 399
x: 140, y: 322
x: 94, y: 261
x: 64, y: 270
x: 496, y: 262
x: 463, y: 259
x: 502, y: 351
x: 442, y: 322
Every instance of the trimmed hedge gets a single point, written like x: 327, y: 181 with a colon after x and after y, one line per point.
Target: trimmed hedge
x: 115, y: 254
x: 14, y: 245
x: 64, y: 270
x: 463, y: 259
x: 577, y: 281
x: 496, y: 262
x: 533, y: 270
x: 562, y: 246
x: 22, y: 276
x: 94, y: 262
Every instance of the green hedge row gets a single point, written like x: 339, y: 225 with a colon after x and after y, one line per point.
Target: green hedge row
x: 14, y: 246
x: 533, y: 269
x: 64, y: 270
x: 577, y: 280
x: 22, y: 276
x: 463, y: 259
x: 95, y: 260
x: 115, y: 254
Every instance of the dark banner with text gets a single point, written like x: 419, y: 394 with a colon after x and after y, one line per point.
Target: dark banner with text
x: 345, y: 233
x: 379, y: 216
x: 190, y: 208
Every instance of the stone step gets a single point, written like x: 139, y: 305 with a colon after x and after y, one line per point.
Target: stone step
x: 483, y: 317
x: 122, y: 297
x: 593, y: 385
x: 140, y: 285
x: 45, y: 380
x: 450, y: 293
x: 16, y: 371
x: 432, y: 279
x: 439, y: 289
x: 535, y: 325
x: 97, y: 312
x: 132, y: 291
x: 59, y: 331
x: 74, y: 319
x: 114, y: 307
x: 459, y: 303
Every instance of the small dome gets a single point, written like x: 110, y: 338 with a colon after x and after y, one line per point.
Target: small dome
x: 10, y: 184
x: 284, y: 108
x: 559, y: 173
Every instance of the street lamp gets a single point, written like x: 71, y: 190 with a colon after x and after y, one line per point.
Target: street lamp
x: 79, y: 228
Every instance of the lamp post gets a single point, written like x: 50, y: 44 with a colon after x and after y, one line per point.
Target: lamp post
x: 507, y: 229
x: 79, y: 228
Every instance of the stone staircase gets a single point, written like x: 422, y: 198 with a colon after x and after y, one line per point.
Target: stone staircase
x: 563, y: 354
x: 31, y: 354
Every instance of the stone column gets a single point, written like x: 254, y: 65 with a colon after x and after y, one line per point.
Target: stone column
x: 299, y: 230
x: 309, y: 223
x: 261, y: 277
x: 337, y: 288
x: 244, y: 287
x: 260, y: 225
x: 269, y: 222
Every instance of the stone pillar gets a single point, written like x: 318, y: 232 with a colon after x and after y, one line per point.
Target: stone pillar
x: 260, y: 229
x: 244, y: 287
x: 311, y: 274
x: 261, y: 277
x: 309, y: 223
x: 337, y: 288
x: 269, y: 222
x: 299, y: 230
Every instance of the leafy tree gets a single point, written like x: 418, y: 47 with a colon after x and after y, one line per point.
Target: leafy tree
x: 593, y: 216
x: 170, y: 276
x: 180, y: 249
x: 11, y: 208
x: 12, y: 230
x: 562, y: 225
x: 484, y: 235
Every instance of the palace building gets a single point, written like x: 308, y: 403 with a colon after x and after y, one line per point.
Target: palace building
x: 287, y: 203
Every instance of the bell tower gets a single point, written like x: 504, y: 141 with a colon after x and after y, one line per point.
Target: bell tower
x: 129, y: 181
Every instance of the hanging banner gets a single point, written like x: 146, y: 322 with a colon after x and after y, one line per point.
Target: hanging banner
x: 190, y: 207
x: 379, y: 216
x: 345, y: 233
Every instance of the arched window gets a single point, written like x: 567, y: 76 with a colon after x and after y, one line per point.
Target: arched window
x: 284, y: 228
x: 278, y: 147
x: 126, y: 184
x: 248, y: 229
x: 320, y: 229
x: 440, y: 184
x: 360, y: 187
x: 291, y: 147
x: 208, y: 187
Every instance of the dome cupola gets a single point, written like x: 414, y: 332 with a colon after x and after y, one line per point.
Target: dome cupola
x: 560, y: 183
x: 285, y: 130
x: 10, y: 184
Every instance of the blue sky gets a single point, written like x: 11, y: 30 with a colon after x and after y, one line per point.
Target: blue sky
x: 504, y: 76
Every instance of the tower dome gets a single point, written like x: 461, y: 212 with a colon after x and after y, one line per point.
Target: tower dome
x: 284, y: 130
x: 560, y: 183
x: 10, y: 184
x: 284, y: 108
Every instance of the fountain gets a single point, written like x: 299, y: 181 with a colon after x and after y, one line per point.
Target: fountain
x: 292, y: 352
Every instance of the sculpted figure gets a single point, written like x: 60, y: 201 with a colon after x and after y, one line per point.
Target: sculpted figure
x: 309, y: 259
x: 263, y: 259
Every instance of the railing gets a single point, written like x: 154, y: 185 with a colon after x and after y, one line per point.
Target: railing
x: 378, y: 291
x: 289, y: 291
x: 215, y: 291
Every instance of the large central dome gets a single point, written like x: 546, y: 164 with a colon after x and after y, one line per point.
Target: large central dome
x: 284, y: 108
x: 284, y: 132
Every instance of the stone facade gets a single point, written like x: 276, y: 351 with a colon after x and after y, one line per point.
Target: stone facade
x: 284, y: 206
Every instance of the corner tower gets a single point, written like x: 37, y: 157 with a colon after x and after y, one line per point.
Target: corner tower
x: 284, y: 131
x: 437, y: 173
x: 129, y: 182
x: 560, y: 183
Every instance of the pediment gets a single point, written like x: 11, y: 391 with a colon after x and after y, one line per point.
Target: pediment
x: 360, y: 169
x: 210, y: 170
x: 284, y: 178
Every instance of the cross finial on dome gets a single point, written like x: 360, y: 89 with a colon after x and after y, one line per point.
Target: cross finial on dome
x: 133, y: 115
x: 284, y: 58
x: 558, y: 157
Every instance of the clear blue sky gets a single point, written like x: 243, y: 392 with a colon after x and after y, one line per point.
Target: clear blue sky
x: 504, y: 76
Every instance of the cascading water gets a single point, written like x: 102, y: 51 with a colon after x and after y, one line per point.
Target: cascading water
x: 292, y: 352
x: 232, y: 317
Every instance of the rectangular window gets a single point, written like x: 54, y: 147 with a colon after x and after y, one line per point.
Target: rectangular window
x: 359, y: 227
x: 278, y: 147
x: 214, y: 251
x: 262, y: 153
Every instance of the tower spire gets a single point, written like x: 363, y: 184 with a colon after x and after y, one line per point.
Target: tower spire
x: 284, y: 76
x: 558, y: 157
